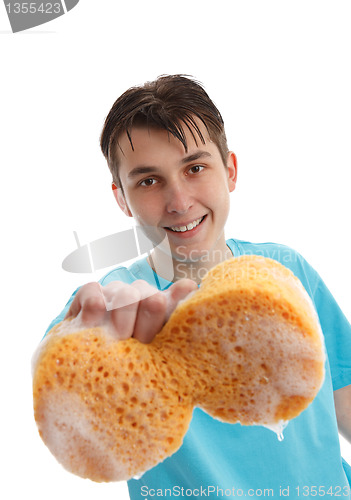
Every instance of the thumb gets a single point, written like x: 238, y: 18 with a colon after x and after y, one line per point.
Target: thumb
x: 177, y: 292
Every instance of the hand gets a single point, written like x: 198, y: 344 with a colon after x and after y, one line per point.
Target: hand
x: 137, y: 310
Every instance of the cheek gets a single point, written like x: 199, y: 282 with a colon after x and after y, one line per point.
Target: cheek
x: 137, y: 205
x: 146, y: 212
x: 218, y: 198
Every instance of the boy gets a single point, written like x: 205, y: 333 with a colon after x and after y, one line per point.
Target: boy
x: 173, y: 172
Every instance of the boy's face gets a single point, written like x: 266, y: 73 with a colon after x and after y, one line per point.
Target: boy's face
x: 184, y: 193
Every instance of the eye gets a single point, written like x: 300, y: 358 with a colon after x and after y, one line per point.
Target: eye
x: 148, y: 182
x: 195, y: 169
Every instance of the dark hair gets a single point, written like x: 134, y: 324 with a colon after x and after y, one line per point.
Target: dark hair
x: 168, y: 103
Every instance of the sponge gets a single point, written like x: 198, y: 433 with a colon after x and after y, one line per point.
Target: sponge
x: 246, y: 347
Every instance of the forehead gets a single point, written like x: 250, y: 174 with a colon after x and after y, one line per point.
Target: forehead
x: 148, y: 140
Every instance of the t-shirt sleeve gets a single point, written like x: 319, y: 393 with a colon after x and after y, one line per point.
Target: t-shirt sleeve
x: 62, y: 314
x: 337, y: 333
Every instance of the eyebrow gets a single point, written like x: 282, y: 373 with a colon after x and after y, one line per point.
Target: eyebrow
x: 141, y: 170
x: 196, y: 156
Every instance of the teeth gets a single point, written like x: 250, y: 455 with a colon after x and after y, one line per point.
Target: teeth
x: 190, y: 226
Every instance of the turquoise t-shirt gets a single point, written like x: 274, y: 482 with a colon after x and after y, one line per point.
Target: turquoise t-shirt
x: 220, y: 460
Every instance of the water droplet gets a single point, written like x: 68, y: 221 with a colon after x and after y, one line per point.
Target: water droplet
x: 278, y: 428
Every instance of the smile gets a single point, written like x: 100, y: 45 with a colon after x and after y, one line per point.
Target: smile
x: 188, y: 227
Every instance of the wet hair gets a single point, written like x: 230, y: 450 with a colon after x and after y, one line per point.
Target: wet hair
x: 172, y: 103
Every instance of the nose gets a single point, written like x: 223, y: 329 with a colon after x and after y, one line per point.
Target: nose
x: 179, y: 200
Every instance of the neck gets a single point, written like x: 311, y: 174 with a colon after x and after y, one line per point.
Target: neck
x: 193, y: 269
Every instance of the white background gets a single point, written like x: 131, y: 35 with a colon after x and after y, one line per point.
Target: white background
x: 279, y: 71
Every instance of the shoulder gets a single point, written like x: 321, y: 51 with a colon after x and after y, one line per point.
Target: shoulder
x: 284, y: 254
x: 276, y: 251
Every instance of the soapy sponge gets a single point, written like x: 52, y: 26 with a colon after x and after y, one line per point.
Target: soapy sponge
x: 246, y: 347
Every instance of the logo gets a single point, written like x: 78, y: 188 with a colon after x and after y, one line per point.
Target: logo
x: 117, y: 248
x: 25, y: 15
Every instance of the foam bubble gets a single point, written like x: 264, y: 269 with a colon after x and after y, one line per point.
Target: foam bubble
x: 278, y: 428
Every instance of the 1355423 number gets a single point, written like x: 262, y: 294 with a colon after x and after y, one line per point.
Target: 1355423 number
x: 321, y: 491
x: 34, y: 8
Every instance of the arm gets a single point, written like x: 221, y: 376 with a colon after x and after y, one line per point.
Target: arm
x: 342, y: 400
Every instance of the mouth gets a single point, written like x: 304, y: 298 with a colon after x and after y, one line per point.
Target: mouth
x: 188, y: 227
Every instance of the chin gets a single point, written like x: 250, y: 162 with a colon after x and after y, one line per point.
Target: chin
x: 188, y: 255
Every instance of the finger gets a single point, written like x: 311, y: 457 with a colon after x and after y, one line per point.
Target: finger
x: 122, y: 319
x: 83, y: 294
x: 73, y: 310
x: 93, y: 309
x: 151, y: 317
x: 180, y: 290
x: 118, y: 294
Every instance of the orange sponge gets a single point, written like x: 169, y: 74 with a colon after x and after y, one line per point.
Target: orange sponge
x: 246, y: 347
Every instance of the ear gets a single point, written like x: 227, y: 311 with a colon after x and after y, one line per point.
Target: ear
x: 120, y: 198
x: 232, y: 169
